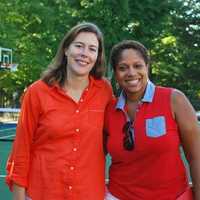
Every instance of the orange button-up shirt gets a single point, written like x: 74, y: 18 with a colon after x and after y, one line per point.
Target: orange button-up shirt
x: 58, y: 150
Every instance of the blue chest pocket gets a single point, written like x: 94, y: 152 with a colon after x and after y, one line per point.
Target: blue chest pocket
x: 156, y: 126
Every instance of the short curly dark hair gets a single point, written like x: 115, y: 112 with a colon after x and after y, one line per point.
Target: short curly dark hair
x: 117, y: 50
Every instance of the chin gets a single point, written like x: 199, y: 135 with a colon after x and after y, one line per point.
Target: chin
x: 133, y: 89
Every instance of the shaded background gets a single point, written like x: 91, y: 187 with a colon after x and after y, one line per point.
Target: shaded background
x: 170, y: 29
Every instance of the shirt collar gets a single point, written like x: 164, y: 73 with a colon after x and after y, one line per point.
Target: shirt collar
x: 92, y: 81
x: 148, y: 96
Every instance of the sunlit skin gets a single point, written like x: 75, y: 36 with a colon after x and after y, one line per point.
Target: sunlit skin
x: 132, y: 74
x: 82, y: 54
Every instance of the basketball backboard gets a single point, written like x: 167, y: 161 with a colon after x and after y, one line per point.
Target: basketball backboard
x: 6, y: 59
x: 5, y: 56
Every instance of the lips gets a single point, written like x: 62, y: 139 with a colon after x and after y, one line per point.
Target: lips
x: 133, y: 82
x: 82, y: 62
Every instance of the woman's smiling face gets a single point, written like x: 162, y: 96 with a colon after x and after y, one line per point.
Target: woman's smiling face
x: 132, y: 72
x: 82, y: 54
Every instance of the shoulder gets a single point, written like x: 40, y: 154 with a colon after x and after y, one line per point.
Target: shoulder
x: 179, y: 99
x: 178, y: 94
x: 164, y: 90
x: 38, y: 86
x: 162, y: 95
x: 111, y: 107
x: 104, y: 84
x: 37, y: 89
x: 110, y: 110
x: 181, y: 104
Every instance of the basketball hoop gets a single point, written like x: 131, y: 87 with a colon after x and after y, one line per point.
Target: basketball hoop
x: 8, y: 66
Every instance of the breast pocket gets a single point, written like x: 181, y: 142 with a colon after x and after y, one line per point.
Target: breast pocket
x: 156, y: 127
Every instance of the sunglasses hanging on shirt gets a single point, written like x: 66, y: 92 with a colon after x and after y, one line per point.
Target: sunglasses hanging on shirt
x: 128, y: 142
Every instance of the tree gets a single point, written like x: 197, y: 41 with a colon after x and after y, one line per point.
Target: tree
x: 187, y: 20
x: 169, y: 29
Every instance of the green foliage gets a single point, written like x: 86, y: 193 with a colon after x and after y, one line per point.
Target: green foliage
x: 187, y: 31
x: 169, y: 29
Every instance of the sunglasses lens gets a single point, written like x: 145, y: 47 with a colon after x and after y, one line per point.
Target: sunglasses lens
x: 128, y: 142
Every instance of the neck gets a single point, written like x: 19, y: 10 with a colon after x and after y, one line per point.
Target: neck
x: 75, y: 87
x: 134, y: 97
x: 133, y: 103
x: 76, y: 83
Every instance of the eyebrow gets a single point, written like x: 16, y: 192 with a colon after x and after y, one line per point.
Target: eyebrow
x: 121, y: 63
x: 124, y: 63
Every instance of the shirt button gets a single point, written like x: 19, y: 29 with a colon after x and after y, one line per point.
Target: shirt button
x: 77, y: 111
x: 81, y: 100
x: 77, y: 130
x: 74, y: 149
x: 70, y: 187
x: 71, y: 168
x: 86, y: 89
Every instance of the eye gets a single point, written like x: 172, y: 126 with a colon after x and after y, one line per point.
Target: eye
x: 78, y: 45
x: 139, y: 65
x: 93, y: 49
x: 121, y: 67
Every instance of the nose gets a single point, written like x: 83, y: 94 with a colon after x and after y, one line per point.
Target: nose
x: 84, y: 52
x: 131, y: 71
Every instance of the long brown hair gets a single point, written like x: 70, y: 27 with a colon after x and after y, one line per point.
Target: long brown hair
x: 57, y: 69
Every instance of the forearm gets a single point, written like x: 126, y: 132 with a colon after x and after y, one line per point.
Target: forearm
x: 18, y: 192
x: 195, y: 173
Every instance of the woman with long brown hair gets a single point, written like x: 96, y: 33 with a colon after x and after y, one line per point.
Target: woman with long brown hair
x: 58, y: 151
